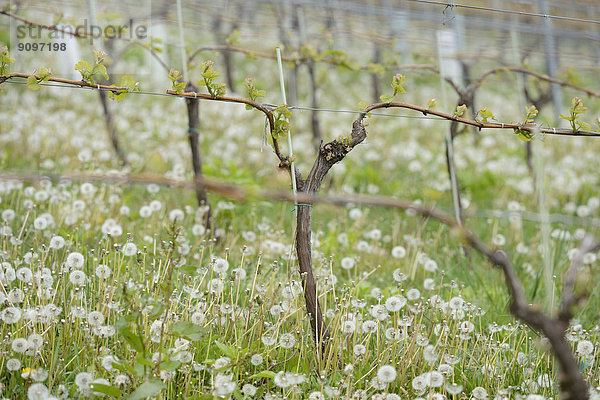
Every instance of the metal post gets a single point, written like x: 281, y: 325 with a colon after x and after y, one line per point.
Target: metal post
x: 551, y: 59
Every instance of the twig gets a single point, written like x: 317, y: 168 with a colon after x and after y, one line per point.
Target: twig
x: 284, y: 160
x: 112, y: 88
x: 481, y: 125
x: 569, y: 299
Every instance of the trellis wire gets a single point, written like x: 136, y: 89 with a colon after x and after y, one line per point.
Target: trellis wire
x: 504, y: 11
x: 291, y: 107
x: 530, y: 216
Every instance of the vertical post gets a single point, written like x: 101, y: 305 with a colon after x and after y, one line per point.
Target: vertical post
x: 397, y: 21
x: 551, y: 59
x: 330, y: 24
x: 108, y: 116
x: 593, y: 10
x: 514, y: 39
x: 444, y: 37
x: 312, y: 75
x: 289, y: 136
x: 545, y: 222
x: 182, y: 41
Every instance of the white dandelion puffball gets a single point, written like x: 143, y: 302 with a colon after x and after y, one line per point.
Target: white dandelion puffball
x: 176, y: 215
x: 95, y: 318
x: 287, y: 340
x: 130, y: 249
x: 479, y: 393
x: 57, y: 242
x: 77, y: 277
x: 395, y: 303
x: 220, y: 265
x: 386, y: 373
x: 75, y: 260
x: 347, y: 263
x: 398, y: 252
x: 585, y: 348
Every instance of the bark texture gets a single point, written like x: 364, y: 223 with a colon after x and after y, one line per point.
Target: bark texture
x: 193, y: 108
x: 329, y: 154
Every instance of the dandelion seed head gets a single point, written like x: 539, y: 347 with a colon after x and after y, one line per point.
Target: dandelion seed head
x: 11, y: 315
x: 220, y: 265
x: 13, y: 364
x: 268, y: 339
x: 359, y: 350
x: 176, y: 215
x: 585, y: 348
x: 347, y: 263
x: 249, y: 390
x: 479, y: 393
x: 39, y: 374
x: 287, y: 340
x: 130, y: 249
x: 83, y: 380
x: 38, y: 391
x: 398, y: 252
x: 95, y: 318
x: 419, y: 384
x: 386, y: 373
x: 221, y: 362
x: 395, y: 303
x: 75, y: 260
x: 413, y: 294
x: 378, y: 384
x: 77, y: 277
x: 198, y: 318
x: 316, y: 396
x: 256, y: 360
x: 453, y: 388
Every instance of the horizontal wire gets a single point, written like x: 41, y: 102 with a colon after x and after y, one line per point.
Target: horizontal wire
x: 331, y: 110
x: 537, y: 217
x: 242, y: 192
x: 268, y: 105
x: 500, y: 10
x: 291, y: 107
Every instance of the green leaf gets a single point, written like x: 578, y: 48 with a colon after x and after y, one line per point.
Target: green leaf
x: 32, y: 83
x: 386, y: 98
x: 156, y: 312
x: 237, y: 395
x: 139, y: 370
x: 170, y: 365
x: 123, y: 368
x: 142, y: 361
x: 524, y: 135
x: 149, y: 388
x: 484, y: 115
x: 460, y: 110
x: 264, y: 374
x: 134, y: 340
x: 188, y: 270
x: 105, y: 389
x: 188, y: 330
x: 362, y: 105
x: 233, y: 38
x: 129, y: 83
x: 229, y: 351
x: 5, y: 59
x: 584, y: 126
x: 101, y: 69
x: 84, y: 69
